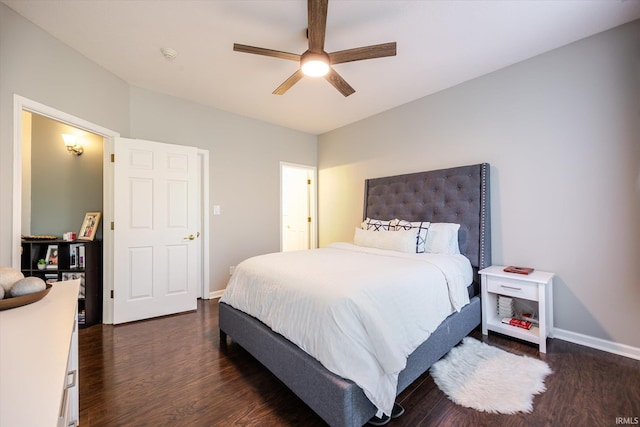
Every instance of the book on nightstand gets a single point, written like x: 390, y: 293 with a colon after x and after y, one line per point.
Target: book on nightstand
x: 505, y: 306
x: 525, y: 324
x: 518, y: 270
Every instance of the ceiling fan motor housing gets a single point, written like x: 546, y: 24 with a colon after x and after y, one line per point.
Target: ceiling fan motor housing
x: 314, y: 64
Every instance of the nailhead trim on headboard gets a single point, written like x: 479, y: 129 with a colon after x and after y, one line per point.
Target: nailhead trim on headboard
x: 485, y: 243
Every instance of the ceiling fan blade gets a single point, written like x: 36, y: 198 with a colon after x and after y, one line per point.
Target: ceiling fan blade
x: 286, y: 85
x: 339, y: 83
x: 365, y: 52
x: 266, y: 52
x: 317, y: 25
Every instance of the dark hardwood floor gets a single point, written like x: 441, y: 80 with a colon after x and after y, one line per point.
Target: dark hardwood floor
x: 171, y: 371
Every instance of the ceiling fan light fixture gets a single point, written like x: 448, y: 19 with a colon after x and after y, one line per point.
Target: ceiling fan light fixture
x: 314, y: 64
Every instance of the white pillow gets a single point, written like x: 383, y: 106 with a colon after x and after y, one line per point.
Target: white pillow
x: 421, y: 229
x: 442, y: 238
x: 401, y: 241
x: 378, y: 224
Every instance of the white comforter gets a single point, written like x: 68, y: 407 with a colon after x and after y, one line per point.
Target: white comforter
x: 359, y: 311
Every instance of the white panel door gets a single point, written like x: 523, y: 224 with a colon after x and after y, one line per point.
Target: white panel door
x: 155, y: 228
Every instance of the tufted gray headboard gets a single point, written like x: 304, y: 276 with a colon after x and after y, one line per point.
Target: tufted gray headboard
x: 459, y: 195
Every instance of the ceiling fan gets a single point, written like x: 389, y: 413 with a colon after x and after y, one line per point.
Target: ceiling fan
x: 315, y: 61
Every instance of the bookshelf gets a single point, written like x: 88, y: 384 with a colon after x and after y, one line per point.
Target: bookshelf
x: 71, y: 260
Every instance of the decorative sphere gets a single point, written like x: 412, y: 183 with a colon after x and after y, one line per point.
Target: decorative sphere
x: 27, y: 286
x: 9, y: 276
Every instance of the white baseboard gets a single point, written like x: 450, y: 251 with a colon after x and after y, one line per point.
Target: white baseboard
x: 598, y: 343
x: 216, y: 294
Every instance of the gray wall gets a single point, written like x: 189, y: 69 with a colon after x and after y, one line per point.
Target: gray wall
x: 245, y: 157
x: 245, y: 153
x: 35, y: 65
x: 63, y: 186
x: 561, y: 132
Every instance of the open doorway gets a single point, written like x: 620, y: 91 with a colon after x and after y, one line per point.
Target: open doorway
x: 298, y: 224
x: 59, y: 184
x: 21, y: 105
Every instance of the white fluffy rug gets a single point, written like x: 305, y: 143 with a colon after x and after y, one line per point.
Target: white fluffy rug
x: 485, y: 378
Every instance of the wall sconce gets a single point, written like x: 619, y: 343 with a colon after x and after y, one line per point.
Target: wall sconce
x: 71, y: 142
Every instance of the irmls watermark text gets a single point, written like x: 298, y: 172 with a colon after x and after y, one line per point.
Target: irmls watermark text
x: 627, y: 420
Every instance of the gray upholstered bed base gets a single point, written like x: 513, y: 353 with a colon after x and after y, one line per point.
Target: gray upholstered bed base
x: 338, y: 401
x: 459, y: 195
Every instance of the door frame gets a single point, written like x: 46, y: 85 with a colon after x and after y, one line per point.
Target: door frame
x: 313, y: 201
x: 21, y: 103
x: 203, y: 182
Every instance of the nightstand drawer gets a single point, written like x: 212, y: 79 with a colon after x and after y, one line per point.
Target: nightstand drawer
x: 513, y: 288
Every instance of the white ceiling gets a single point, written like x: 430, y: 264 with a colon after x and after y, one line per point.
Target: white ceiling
x: 441, y: 43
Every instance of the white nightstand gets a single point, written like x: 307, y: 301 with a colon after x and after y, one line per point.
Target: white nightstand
x: 537, y: 286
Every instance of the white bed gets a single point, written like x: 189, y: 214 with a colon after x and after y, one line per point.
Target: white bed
x: 361, y: 313
x: 347, y: 327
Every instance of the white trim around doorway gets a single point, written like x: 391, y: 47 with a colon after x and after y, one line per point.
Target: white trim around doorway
x: 21, y: 103
x: 313, y: 200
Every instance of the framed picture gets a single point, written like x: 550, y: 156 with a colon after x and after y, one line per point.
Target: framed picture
x: 89, y: 226
x: 52, y: 257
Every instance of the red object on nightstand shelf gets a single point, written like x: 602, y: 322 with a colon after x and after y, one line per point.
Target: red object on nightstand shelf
x: 525, y: 324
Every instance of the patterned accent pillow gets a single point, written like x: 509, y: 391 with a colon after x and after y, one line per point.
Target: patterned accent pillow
x: 421, y: 227
x: 378, y: 224
x: 402, y: 241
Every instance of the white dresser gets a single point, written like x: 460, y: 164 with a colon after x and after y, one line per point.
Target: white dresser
x: 39, y: 361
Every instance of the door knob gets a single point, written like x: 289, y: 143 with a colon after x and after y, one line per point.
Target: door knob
x: 192, y: 236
